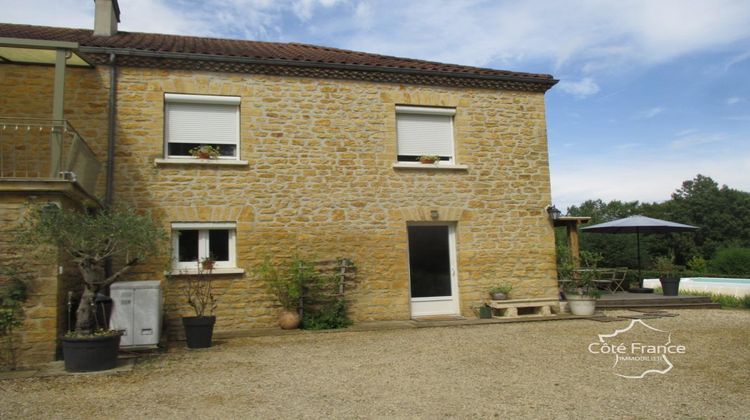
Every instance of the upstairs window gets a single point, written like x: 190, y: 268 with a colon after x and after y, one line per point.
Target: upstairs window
x: 192, y: 242
x: 424, y: 131
x: 191, y: 121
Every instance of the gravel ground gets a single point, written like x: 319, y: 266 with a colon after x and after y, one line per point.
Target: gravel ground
x: 528, y: 370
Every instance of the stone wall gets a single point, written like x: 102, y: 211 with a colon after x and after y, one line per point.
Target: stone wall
x: 45, y: 310
x: 320, y: 181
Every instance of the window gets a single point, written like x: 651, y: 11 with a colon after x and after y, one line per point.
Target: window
x: 194, y: 120
x: 192, y: 242
x: 424, y: 131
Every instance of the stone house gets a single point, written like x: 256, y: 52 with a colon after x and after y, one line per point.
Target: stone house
x: 319, y: 153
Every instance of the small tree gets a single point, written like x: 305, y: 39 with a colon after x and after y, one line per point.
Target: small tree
x: 90, y: 239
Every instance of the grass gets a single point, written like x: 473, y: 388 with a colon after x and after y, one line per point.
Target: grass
x: 726, y: 301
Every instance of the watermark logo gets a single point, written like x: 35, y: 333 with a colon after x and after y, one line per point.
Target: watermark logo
x: 638, y: 350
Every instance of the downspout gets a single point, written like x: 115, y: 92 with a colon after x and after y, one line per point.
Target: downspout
x: 109, y: 192
x: 111, y: 130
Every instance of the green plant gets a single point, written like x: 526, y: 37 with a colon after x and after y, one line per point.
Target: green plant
x: 327, y: 316
x: 731, y: 261
x: 428, y: 158
x: 286, y: 283
x: 198, y: 289
x: 581, y: 281
x: 205, y: 151
x: 90, y: 239
x: 697, y: 264
x: 666, y: 267
x: 13, y: 293
x: 504, y: 288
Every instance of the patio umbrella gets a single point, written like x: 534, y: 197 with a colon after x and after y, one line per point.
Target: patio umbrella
x: 639, y: 224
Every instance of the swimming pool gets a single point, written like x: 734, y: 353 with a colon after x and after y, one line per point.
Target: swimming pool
x: 724, y: 286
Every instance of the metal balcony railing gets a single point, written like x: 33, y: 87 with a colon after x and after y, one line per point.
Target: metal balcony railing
x: 34, y: 148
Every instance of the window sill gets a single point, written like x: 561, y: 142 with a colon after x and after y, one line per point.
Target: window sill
x: 214, y: 272
x: 432, y: 166
x: 219, y: 162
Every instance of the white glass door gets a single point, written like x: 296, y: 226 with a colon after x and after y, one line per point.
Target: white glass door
x: 432, y: 269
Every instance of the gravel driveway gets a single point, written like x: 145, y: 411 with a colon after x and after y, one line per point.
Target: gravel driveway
x: 529, y: 370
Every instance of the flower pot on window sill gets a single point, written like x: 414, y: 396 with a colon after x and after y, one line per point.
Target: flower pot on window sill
x: 428, y: 161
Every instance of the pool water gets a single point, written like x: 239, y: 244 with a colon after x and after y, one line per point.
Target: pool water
x: 719, y: 280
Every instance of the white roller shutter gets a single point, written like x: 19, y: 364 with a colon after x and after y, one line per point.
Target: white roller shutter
x: 424, y: 134
x: 201, y: 121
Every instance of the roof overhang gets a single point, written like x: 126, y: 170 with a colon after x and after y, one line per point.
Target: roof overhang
x: 35, y: 51
x: 571, y: 220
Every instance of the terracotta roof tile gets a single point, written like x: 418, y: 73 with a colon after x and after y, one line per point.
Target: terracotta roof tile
x: 278, y: 53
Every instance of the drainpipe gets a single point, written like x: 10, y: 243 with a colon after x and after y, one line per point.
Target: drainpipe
x: 111, y: 129
x: 111, y: 144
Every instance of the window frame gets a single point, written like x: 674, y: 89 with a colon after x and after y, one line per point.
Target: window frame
x: 203, y: 243
x: 176, y: 98
x: 429, y: 110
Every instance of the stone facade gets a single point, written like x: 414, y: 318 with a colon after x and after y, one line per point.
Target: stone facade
x: 320, y: 182
x: 51, y: 276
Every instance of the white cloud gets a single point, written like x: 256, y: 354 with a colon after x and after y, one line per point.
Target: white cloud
x: 304, y: 9
x: 697, y: 138
x: 575, y: 36
x: 581, y: 88
x: 733, y: 100
x: 648, y: 113
x: 641, y: 177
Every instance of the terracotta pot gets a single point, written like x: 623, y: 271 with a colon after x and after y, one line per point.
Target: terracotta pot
x: 289, y: 320
x: 204, y: 155
x: 427, y: 161
x: 208, y: 265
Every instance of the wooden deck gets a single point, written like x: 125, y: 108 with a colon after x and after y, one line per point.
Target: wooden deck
x: 625, y: 300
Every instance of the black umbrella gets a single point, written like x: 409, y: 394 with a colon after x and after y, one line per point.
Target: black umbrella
x: 638, y: 225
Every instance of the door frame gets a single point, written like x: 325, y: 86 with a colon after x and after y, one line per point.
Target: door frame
x: 436, y: 305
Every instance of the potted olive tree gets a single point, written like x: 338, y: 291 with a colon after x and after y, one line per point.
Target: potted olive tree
x: 90, y: 239
x: 198, y: 291
x: 286, y: 284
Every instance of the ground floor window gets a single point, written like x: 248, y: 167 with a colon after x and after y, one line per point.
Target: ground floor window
x: 193, y: 242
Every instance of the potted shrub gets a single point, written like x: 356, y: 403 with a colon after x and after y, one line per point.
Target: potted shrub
x: 428, y: 159
x: 286, y: 284
x: 205, y: 151
x: 89, y: 239
x: 668, y: 275
x: 501, y: 292
x: 199, y: 329
x: 483, y: 311
x: 581, y: 292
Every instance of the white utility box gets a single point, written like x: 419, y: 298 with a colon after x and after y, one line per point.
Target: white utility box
x: 136, y: 309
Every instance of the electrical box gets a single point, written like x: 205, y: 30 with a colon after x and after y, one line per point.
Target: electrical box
x: 136, y: 309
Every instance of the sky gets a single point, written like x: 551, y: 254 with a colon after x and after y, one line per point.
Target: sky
x: 651, y: 92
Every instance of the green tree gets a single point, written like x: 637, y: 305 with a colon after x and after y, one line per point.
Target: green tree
x: 90, y: 239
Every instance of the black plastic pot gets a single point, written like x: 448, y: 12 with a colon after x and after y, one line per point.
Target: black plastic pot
x: 90, y: 354
x: 198, y: 331
x: 670, y: 285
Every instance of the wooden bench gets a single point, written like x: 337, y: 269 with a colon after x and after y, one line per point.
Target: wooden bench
x: 509, y: 308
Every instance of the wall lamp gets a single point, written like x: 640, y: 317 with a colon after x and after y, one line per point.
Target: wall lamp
x: 553, y: 212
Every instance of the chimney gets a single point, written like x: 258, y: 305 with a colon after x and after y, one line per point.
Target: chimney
x: 106, y: 17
